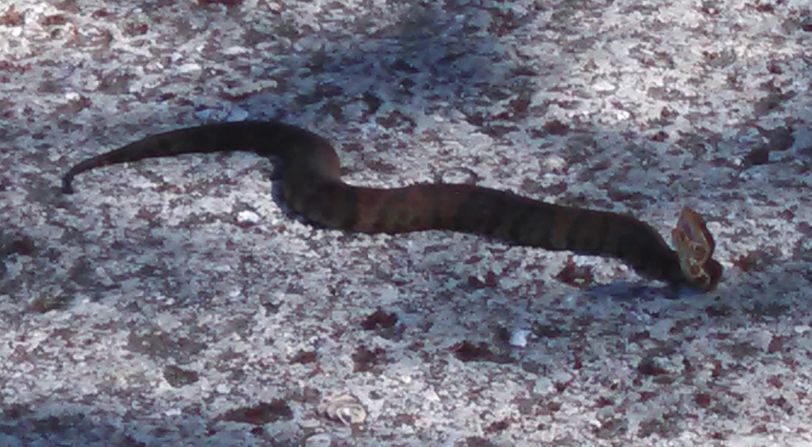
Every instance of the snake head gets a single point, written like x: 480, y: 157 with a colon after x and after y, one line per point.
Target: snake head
x: 695, y: 246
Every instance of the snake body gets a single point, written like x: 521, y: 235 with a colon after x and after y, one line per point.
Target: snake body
x: 312, y: 187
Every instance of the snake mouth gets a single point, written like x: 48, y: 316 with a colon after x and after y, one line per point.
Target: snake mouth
x: 695, y: 245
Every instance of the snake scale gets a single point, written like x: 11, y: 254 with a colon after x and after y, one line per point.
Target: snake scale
x: 312, y: 187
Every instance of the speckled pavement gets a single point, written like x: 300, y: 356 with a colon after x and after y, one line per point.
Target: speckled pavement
x: 178, y: 302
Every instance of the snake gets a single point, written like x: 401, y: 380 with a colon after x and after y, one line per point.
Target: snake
x: 312, y: 188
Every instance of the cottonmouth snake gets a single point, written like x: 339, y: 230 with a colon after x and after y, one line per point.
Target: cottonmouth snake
x: 312, y: 187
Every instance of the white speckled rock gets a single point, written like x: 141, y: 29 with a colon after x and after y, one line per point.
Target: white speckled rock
x: 178, y: 302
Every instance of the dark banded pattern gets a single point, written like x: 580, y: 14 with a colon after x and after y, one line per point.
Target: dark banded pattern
x: 312, y: 187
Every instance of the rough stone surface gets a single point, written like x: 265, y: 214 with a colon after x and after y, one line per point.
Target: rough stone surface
x: 178, y: 302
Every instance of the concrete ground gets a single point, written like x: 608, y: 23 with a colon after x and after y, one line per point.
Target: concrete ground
x: 178, y: 302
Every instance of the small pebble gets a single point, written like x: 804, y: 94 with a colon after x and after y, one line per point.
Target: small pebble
x: 519, y: 338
